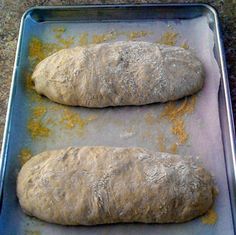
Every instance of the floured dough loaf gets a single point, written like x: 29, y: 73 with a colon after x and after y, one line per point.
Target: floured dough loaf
x: 100, y: 185
x: 118, y: 73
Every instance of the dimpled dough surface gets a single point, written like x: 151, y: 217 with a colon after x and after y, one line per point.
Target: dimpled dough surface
x: 118, y: 73
x: 99, y: 185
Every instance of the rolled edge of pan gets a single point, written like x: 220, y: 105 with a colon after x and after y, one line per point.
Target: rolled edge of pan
x: 118, y: 73
x: 102, y: 185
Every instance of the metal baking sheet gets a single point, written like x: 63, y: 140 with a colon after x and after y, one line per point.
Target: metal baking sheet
x: 61, y: 126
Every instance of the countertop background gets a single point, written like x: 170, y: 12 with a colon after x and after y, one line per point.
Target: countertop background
x: 12, y: 10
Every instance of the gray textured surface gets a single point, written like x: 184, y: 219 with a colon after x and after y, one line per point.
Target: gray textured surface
x: 12, y: 10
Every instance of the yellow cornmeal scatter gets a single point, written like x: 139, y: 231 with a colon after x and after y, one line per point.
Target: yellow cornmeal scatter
x: 38, y: 50
x: 39, y: 111
x: 137, y: 34
x: 67, y: 42
x: 58, y: 31
x: 150, y: 119
x: 175, y: 112
x: 173, y: 109
x: 147, y: 135
x: 168, y: 38
x: 184, y: 45
x: 50, y: 48
x: 50, y: 121
x: 56, y: 107
x: 70, y: 119
x: 37, y: 129
x: 31, y: 232
x: 35, y: 97
x: 25, y: 155
x: 178, y: 129
x: 91, y: 118
x: 210, y: 217
x: 35, y: 125
x: 161, y: 143
x: 173, y: 148
x: 83, y: 40
x: 29, y: 84
x: 130, y: 130
x: 99, y: 38
x: 117, y: 122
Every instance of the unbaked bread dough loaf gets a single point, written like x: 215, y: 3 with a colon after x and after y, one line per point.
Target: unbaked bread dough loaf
x: 118, y: 73
x: 99, y: 185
